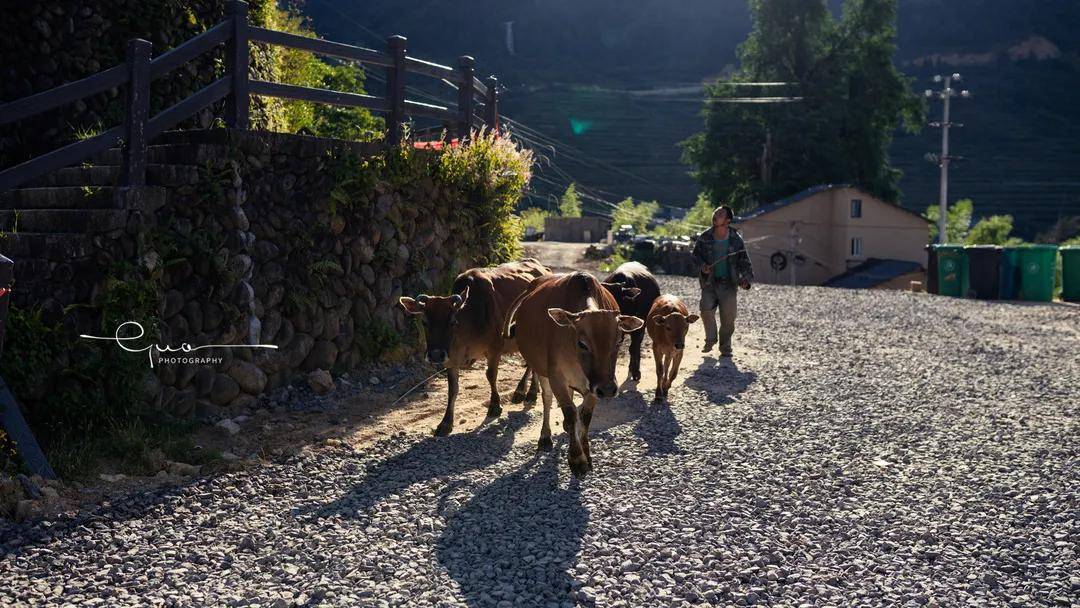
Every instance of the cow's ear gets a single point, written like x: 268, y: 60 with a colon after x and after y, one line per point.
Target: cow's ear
x: 628, y: 323
x: 460, y: 298
x: 629, y: 293
x: 692, y: 319
x: 613, y: 288
x: 411, y: 306
x: 561, y: 317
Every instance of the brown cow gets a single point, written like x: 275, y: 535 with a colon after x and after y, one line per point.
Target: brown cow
x: 667, y: 325
x: 568, y: 329
x: 468, y: 325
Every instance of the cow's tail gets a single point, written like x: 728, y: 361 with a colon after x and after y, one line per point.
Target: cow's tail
x: 508, y: 322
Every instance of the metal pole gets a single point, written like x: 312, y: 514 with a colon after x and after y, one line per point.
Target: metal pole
x: 943, y: 205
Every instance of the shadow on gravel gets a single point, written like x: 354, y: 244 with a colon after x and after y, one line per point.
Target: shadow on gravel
x: 427, y: 459
x: 719, y: 379
x: 658, y: 427
x: 517, y: 537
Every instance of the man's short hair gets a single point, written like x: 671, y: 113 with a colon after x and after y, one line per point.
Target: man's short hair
x: 724, y: 209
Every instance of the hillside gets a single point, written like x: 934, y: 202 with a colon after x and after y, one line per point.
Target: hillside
x: 621, y: 86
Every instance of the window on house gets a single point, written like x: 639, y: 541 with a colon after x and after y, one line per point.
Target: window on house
x: 856, y: 247
x: 856, y: 207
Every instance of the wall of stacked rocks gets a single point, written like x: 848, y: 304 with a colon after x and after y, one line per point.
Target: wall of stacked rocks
x: 305, y: 244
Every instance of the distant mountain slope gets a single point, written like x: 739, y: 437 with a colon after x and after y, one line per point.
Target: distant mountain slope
x: 569, y: 66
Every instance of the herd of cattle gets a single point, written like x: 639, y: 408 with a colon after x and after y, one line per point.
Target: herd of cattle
x: 567, y: 327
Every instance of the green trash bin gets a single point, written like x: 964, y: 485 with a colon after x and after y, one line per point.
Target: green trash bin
x: 1009, y: 283
x: 950, y: 266
x: 1037, y: 266
x: 1070, y: 273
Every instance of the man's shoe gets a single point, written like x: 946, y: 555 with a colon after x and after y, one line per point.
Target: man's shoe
x: 708, y: 347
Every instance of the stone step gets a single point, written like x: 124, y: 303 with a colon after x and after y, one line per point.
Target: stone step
x: 169, y: 154
x: 108, y: 175
x: 44, y: 245
x: 60, y: 197
x: 62, y: 220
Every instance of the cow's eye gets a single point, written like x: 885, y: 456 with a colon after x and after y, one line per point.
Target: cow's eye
x: 582, y: 346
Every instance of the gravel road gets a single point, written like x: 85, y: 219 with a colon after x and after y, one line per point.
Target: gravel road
x: 864, y: 448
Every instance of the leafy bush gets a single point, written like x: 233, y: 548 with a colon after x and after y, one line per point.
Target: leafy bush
x: 697, y: 219
x: 993, y: 230
x: 534, y: 217
x: 957, y: 224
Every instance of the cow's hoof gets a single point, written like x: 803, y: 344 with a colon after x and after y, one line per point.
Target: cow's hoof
x: 530, y: 399
x: 545, y: 444
x: 579, y: 467
x: 635, y: 376
x: 443, y: 429
x: 517, y: 397
x: 494, y: 411
x: 658, y: 400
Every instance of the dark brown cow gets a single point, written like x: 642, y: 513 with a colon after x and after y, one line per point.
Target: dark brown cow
x: 468, y: 325
x: 568, y: 329
x: 667, y: 325
x: 635, y: 289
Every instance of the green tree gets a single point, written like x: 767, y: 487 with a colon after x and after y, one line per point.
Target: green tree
x: 957, y: 224
x: 852, y: 100
x: 698, y: 218
x: 570, y: 204
x: 993, y: 230
x: 637, y: 215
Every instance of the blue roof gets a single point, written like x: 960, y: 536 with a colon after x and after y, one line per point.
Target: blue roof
x: 798, y: 196
x: 872, y: 272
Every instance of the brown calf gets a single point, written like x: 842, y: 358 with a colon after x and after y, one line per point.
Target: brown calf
x: 667, y: 325
x: 568, y: 329
x: 468, y: 325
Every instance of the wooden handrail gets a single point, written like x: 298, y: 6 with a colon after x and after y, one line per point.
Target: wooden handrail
x: 236, y: 87
x: 178, y: 56
x: 64, y: 94
x: 336, y: 98
x: 188, y: 107
x: 319, y: 46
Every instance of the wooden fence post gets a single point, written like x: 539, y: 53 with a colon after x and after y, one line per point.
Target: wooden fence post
x: 236, y: 65
x: 466, y: 91
x: 138, y: 112
x: 395, y: 89
x: 491, y: 103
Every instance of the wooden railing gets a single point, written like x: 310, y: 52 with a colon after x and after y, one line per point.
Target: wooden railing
x: 236, y: 87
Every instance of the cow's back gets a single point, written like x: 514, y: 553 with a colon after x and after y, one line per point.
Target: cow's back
x: 634, y: 274
x: 539, y: 338
x: 491, y: 293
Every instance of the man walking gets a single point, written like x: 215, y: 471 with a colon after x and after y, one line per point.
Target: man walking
x: 724, y: 267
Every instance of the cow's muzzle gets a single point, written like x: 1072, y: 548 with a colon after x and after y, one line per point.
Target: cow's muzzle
x: 436, y: 355
x: 607, y: 390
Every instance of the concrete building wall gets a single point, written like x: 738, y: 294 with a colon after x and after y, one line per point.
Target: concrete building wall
x: 825, y: 231
x: 576, y: 229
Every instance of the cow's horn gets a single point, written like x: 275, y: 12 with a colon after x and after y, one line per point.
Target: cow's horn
x: 456, y: 299
x: 421, y: 298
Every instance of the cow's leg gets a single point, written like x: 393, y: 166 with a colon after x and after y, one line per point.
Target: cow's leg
x: 530, y: 397
x: 519, y: 392
x: 586, y: 420
x: 636, y: 338
x: 676, y: 362
x: 545, y: 444
x: 658, y: 358
x: 494, y: 409
x: 579, y: 462
x: 447, y: 424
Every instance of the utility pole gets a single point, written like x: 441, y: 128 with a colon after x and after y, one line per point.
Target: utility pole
x: 945, y: 94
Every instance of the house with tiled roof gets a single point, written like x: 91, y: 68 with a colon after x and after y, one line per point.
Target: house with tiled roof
x: 835, y: 234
